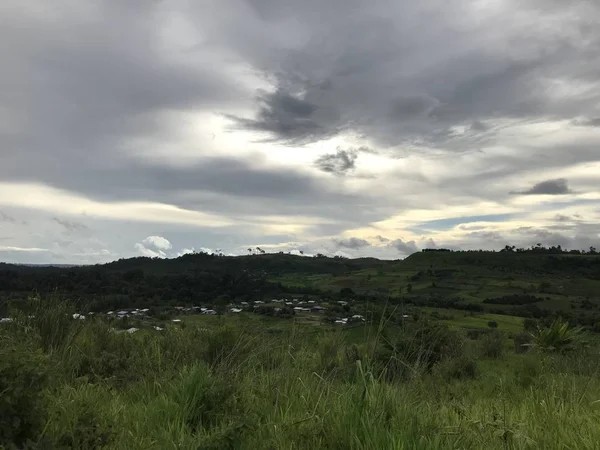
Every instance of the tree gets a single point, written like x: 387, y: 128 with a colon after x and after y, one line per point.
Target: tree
x: 493, y: 324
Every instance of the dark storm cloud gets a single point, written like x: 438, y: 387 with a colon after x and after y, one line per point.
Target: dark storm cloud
x: 338, y: 163
x: 398, y: 72
x: 406, y: 247
x: 548, y: 187
x: 351, y: 243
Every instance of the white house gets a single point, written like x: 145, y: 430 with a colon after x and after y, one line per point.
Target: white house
x: 176, y: 320
x: 6, y: 320
x: 210, y: 312
x: 132, y: 330
x: 236, y: 310
x: 78, y: 316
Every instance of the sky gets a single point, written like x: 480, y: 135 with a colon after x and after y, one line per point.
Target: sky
x: 343, y: 127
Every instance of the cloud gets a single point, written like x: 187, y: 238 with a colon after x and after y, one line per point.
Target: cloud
x: 404, y: 247
x: 216, y: 122
x: 186, y: 251
x: 339, y: 163
x: 352, y: 243
x: 157, y: 242
x: 382, y: 239
x: 557, y: 186
x: 70, y: 225
x: 588, y: 122
x: 154, y: 247
x: 4, y: 248
x: 6, y: 218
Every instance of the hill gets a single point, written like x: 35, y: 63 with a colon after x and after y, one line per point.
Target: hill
x: 526, y: 283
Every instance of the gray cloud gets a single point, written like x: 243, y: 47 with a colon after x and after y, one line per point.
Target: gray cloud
x: 409, y: 76
x: 406, y: 247
x: 82, y: 114
x: 70, y: 225
x: 6, y: 218
x: 558, y: 186
x: 352, y: 243
x: 590, y: 122
x: 338, y: 163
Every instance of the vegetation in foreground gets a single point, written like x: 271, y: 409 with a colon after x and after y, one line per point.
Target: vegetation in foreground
x: 77, y: 384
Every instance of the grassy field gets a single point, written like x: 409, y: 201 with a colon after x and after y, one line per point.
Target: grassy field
x: 249, y: 382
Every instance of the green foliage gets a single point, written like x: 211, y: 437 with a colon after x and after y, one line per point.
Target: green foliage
x: 418, y: 350
x: 558, y: 337
x: 493, y: 324
x: 493, y: 345
x: 522, y: 342
x: 24, y: 373
x: 459, y: 368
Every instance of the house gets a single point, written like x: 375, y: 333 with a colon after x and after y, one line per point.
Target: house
x: 245, y: 303
x: 342, y: 302
x: 236, y: 310
x: 110, y: 313
x: 405, y: 316
x: 179, y: 308
x: 258, y: 302
x: 318, y: 308
x: 123, y: 313
x: 158, y: 328
x: 132, y: 330
x: 145, y: 310
x: 289, y: 303
x: 176, y: 320
x: 341, y: 322
x: 210, y: 312
x: 358, y: 317
x: 78, y: 316
x: 6, y: 320
x: 311, y: 301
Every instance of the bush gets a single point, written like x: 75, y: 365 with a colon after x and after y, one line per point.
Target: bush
x: 23, y: 376
x: 493, y: 324
x: 418, y: 351
x: 493, y: 345
x: 522, y: 341
x: 530, y: 324
x: 462, y: 367
x: 558, y: 337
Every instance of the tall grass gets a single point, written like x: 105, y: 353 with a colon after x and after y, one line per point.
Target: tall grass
x: 228, y: 388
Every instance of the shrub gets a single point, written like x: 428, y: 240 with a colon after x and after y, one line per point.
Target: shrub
x: 527, y: 372
x: 530, y: 324
x: 558, y: 337
x: 23, y: 376
x: 203, y: 400
x: 416, y: 351
x: 78, y: 422
x: 493, y: 345
x: 522, y: 342
x: 493, y: 324
x: 462, y: 367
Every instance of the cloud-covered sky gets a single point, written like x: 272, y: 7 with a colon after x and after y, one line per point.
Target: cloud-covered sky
x: 324, y: 126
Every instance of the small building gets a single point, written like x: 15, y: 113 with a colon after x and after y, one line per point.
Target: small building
x: 6, y: 320
x: 236, y: 310
x: 77, y: 316
x: 210, y: 312
x: 132, y: 330
x: 158, y: 328
x: 176, y: 320
x: 341, y: 322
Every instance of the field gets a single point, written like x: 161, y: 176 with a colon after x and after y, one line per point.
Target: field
x: 248, y: 382
x: 474, y: 350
